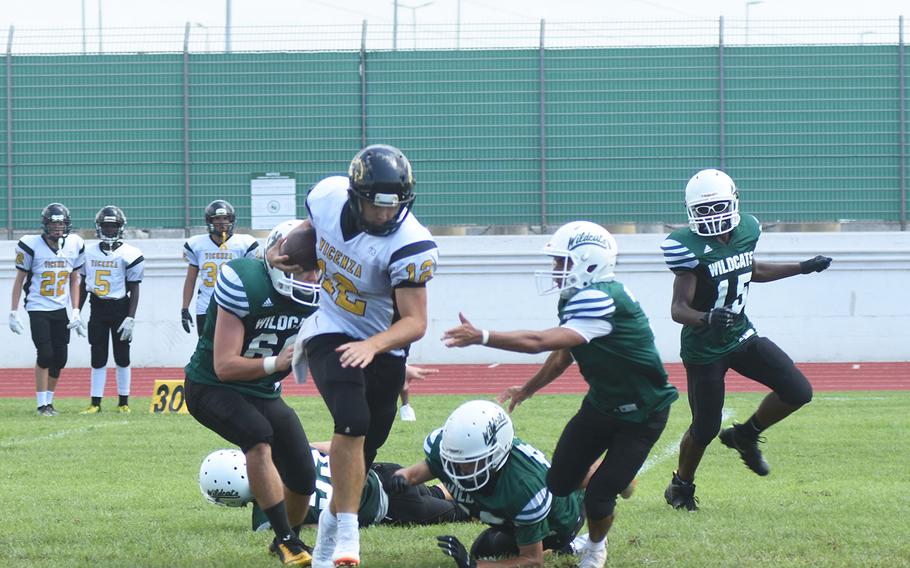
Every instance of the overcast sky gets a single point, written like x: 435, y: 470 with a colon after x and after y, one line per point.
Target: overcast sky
x: 30, y: 14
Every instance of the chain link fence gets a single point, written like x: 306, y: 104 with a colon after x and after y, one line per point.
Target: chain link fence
x: 520, y: 126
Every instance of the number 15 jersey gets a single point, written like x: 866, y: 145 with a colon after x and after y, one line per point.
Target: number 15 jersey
x: 722, y: 272
x: 361, y: 271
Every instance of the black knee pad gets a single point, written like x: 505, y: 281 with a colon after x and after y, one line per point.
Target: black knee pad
x: 300, y: 477
x: 600, y: 506
x: 494, y: 543
x: 703, y: 431
x: 99, y: 356
x: 53, y: 373
x: 798, y: 390
x: 121, y: 353
x: 61, y: 353
x: 45, y: 355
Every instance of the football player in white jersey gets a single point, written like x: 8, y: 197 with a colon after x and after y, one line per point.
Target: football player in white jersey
x: 205, y: 254
x: 111, y: 274
x: 376, y: 258
x: 48, y: 266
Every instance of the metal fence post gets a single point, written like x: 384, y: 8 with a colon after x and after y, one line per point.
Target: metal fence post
x: 9, y: 133
x: 543, y: 130
x: 902, y: 75
x: 186, y: 130
x: 363, y: 85
x: 722, y: 98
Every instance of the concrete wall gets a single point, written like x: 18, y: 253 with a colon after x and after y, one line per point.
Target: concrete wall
x: 858, y: 310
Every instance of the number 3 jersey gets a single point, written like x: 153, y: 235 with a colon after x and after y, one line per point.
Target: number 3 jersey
x: 202, y: 252
x: 106, y: 272
x: 361, y: 270
x: 270, y: 322
x: 47, y: 272
x: 516, y: 495
x: 722, y: 272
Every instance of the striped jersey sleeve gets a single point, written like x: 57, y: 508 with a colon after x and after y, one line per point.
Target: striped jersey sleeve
x: 537, y: 509
x: 230, y: 294
x: 589, y: 314
x: 677, y: 256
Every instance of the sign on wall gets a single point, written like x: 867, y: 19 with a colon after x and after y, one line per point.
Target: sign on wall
x: 274, y: 198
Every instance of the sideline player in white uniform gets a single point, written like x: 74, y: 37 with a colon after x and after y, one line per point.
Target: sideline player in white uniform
x: 111, y: 274
x: 206, y: 253
x: 376, y: 258
x: 48, y: 267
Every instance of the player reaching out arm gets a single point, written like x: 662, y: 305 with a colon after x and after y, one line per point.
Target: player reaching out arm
x: 603, y: 328
x: 713, y: 263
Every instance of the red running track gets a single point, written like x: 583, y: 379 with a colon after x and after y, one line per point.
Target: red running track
x: 487, y: 379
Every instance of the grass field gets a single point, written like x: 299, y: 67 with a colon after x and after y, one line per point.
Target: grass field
x: 112, y: 490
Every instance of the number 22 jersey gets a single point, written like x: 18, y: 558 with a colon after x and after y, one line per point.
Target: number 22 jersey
x: 361, y: 270
x: 47, y: 271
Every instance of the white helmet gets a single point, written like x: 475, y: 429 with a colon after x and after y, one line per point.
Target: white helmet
x: 712, y: 203
x: 306, y: 293
x: 591, y: 250
x: 476, y: 441
x: 223, y: 480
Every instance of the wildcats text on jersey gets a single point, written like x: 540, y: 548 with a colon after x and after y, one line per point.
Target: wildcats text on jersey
x: 339, y: 259
x: 730, y: 263
x: 278, y: 323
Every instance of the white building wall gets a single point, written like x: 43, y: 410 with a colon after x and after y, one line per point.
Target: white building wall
x: 858, y: 310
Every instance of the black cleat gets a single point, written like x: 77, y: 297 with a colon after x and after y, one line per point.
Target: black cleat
x: 291, y: 551
x: 747, y: 447
x: 681, y: 494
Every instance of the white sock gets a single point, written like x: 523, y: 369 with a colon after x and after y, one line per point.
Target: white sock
x: 597, y: 545
x: 328, y: 526
x: 50, y: 397
x: 39, y: 397
x: 347, y: 525
x: 99, y: 378
x: 123, y: 381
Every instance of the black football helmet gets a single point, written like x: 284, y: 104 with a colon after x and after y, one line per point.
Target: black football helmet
x: 382, y: 176
x: 55, y: 213
x: 220, y: 208
x: 109, y: 223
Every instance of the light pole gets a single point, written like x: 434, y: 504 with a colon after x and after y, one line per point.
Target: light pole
x: 206, y: 28
x: 227, y: 26
x: 749, y: 4
x: 413, y: 10
x: 100, y: 47
x: 83, y: 27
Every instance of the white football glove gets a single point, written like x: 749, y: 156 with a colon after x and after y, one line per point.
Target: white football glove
x: 14, y: 324
x: 76, y: 323
x: 126, y: 328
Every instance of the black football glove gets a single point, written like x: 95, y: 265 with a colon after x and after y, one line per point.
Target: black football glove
x: 451, y: 546
x: 816, y: 264
x: 396, y: 485
x: 186, y: 319
x: 719, y: 318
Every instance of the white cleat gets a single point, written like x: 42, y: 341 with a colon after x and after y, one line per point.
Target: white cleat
x: 407, y: 414
x: 590, y: 558
x: 347, y: 552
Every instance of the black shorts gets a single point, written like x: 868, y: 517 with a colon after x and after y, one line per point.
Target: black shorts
x: 418, y: 504
x: 248, y: 420
x: 49, y: 328
x: 589, y: 434
x: 106, y: 317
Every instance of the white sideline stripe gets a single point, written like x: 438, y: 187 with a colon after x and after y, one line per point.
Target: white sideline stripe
x: 59, y: 434
x: 823, y: 398
x: 493, y: 366
x: 672, y: 449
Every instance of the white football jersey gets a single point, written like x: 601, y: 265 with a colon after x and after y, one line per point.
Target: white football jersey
x: 106, y: 272
x: 47, y: 280
x: 202, y: 252
x: 361, y: 273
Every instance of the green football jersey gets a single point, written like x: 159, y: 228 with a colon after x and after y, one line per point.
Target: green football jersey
x: 723, y: 272
x: 374, y: 502
x: 619, y: 361
x: 270, y: 322
x: 516, y: 495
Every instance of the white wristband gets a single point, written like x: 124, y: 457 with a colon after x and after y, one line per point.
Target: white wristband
x: 484, y: 337
x: 269, y: 364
